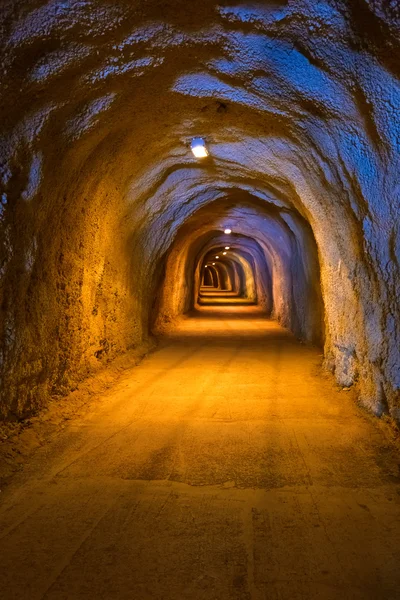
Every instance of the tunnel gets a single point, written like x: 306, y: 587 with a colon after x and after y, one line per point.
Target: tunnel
x: 204, y: 194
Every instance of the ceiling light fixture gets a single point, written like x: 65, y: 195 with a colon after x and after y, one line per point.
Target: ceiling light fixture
x: 217, y: 257
x: 198, y: 147
x: 213, y: 264
x: 228, y: 231
x: 227, y: 247
x: 224, y: 253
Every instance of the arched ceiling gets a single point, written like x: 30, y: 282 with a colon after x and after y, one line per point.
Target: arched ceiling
x: 298, y: 102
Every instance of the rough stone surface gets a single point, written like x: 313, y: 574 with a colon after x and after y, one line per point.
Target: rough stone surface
x: 298, y: 102
x: 224, y: 466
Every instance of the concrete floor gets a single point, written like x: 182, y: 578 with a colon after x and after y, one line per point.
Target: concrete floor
x: 225, y: 466
x: 210, y: 297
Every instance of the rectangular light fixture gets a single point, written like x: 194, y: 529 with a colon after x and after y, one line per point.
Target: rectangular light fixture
x: 198, y: 147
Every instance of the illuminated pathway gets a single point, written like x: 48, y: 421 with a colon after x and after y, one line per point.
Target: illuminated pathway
x: 225, y: 466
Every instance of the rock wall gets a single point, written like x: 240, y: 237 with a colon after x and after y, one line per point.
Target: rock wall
x: 298, y: 102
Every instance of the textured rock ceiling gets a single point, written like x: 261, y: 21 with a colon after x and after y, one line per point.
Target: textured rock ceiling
x: 102, y: 201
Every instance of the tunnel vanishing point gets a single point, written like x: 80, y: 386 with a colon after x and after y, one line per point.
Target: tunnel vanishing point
x: 202, y: 174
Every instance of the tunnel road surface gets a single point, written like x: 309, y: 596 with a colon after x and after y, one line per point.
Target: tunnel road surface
x: 224, y: 466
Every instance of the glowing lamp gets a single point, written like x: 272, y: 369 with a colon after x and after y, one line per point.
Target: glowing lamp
x: 227, y: 230
x: 198, y: 147
x: 224, y: 253
x: 213, y: 264
x: 227, y: 247
x: 217, y: 257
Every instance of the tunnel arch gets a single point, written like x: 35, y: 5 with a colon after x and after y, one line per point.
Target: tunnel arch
x: 282, y: 244
x: 244, y: 262
x: 222, y: 274
x: 297, y: 105
x: 209, y: 277
x: 261, y: 264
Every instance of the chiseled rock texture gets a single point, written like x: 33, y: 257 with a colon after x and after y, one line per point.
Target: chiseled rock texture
x: 299, y: 102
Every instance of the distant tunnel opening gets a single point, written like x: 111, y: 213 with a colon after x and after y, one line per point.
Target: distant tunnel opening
x: 236, y: 279
x: 270, y: 259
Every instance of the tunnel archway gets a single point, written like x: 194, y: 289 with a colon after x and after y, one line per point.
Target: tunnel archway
x: 235, y: 278
x: 278, y: 265
x: 246, y: 286
x: 99, y: 186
